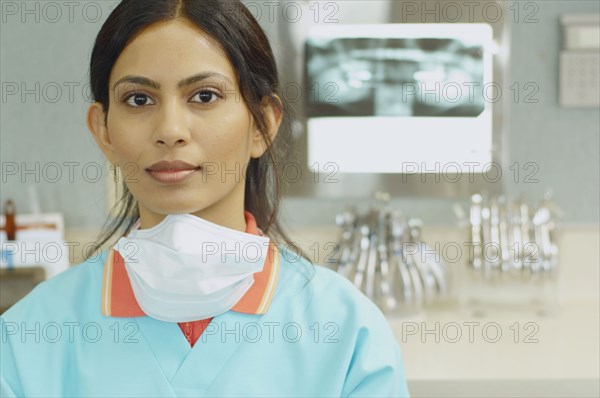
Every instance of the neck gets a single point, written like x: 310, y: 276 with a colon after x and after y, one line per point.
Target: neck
x: 228, y: 212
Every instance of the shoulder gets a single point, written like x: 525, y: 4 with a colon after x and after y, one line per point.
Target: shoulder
x: 64, y: 294
x: 320, y: 290
x: 366, y: 346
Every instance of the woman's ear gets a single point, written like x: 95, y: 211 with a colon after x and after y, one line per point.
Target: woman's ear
x: 97, y: 126
x: 273, y: 116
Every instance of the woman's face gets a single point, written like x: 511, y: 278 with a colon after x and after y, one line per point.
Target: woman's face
x: 174, y: 99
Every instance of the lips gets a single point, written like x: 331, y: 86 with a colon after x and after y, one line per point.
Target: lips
x: 169, y: 172
x: 176, y: 165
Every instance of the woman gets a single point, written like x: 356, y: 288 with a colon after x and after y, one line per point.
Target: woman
x: 196, y: 298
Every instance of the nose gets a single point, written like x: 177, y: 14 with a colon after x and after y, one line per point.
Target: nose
x: 171, y: 128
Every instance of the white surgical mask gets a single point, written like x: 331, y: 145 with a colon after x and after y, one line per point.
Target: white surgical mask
x: 186, y: 268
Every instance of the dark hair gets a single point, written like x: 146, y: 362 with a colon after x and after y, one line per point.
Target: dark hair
x: 231, y: 25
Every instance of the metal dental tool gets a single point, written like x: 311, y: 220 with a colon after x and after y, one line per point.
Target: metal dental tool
x: 476, y: 259
x: 434, y: 268
x: 410, y: 292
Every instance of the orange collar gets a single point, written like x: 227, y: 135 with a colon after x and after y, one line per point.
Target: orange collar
x: 118, y: 299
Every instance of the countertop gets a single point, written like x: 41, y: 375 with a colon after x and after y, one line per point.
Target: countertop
x: 499, y: 348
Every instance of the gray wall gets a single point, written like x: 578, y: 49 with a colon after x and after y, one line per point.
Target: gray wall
x: 42, y: 51
x: 563, y: 142
x: 42, y: 133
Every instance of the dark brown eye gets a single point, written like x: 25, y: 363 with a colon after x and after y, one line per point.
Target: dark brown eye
x: 137, y: 100
x: 206, y: 96
x: 140, y: 99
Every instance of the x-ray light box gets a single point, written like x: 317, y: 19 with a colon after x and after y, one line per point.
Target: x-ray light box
x: 386, y: 98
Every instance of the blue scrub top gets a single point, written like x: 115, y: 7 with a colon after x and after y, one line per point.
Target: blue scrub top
x: 320, y: 337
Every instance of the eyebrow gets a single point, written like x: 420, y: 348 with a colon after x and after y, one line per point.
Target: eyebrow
x: 144, y: 81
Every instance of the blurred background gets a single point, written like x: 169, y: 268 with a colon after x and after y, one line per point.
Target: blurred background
x: 446, y: 162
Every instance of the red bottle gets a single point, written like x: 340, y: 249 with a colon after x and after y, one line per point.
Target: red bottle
x: 9, y: 224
